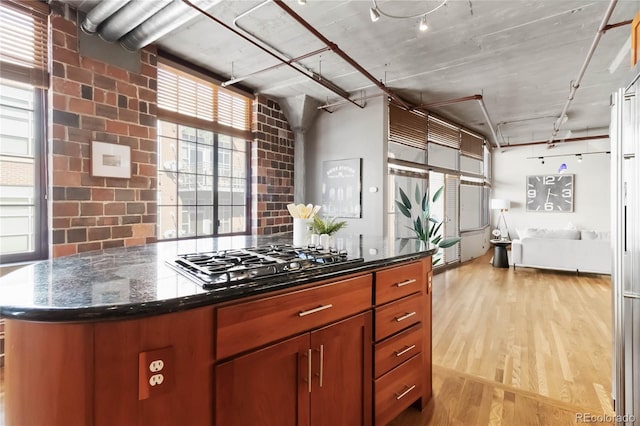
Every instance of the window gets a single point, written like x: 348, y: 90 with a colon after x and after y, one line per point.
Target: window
x: 23, y: 79
x: 203, y: 158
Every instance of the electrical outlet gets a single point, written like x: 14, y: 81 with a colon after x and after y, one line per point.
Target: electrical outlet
x: 156, y: 365
x: 155, y: 372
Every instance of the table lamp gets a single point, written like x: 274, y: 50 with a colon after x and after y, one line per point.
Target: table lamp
x: 502, y: 205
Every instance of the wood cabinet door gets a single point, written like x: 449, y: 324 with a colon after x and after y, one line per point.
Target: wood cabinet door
x: 341, y: 362
x: 268, y: 387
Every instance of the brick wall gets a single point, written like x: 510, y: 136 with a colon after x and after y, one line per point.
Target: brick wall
x: 272, y: 164
x: 95, y: 101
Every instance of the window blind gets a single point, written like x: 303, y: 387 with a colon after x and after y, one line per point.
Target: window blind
x: 443, y: 133
x: 407, y: 127
x: 471, y: 145
x: 23, y: 50
x: 192, y: 100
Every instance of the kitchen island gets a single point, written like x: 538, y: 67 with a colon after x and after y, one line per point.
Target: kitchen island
x: 119, y: 337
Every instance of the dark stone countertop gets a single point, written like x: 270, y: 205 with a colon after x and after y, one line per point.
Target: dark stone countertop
x: 136, y: 281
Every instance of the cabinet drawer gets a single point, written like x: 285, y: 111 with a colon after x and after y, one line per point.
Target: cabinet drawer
x: 397, y: 390
x: 394, y: 351
x: 251, y: 324
x: 398, y: 315
x: 394, y: 283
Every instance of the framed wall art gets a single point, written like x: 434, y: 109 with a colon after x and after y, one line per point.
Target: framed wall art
x: 341, y: 188
x: 110, y: 160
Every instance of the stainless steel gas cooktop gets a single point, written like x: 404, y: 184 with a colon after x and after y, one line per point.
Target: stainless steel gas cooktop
x: 238, y: 266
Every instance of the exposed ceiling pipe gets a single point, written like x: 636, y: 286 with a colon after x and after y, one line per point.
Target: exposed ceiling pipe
x: 362, y: 98
x: 296, y: 59
x: 616, y: 25
x: 483, y: 107
x: 286, y: 60
x: 100, y: 13
x: 576, y: 83
x: 129, y: 17
x: 335, y: 49
x: 318, y: 79
x: 163, y: 22
x: 578, y: 139
x: 450, y: 101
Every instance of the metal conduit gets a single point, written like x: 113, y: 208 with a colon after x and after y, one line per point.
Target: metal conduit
x: 318, y: 79
x: 576, y: 83
x: 100, y: 13
x: 296, y: 59
x: 335, y: 49
x: 286, y: 60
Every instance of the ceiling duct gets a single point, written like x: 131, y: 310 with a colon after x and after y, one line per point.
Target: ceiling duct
x: 100, y: 13
x: 160, y: 24
x: 138, y: 23
x: 129, y: 17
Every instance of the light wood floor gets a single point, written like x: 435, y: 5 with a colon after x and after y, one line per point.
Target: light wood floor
x: 518, y: 347
x: 523, y: 347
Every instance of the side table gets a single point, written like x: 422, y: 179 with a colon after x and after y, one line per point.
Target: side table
x: 500, y: 258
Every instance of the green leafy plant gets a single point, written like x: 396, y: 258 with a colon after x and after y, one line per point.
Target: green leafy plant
x: 326, y: 226
x: 426, y: 227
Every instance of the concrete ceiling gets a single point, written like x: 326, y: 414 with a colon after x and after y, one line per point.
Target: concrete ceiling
x: 520, y: 55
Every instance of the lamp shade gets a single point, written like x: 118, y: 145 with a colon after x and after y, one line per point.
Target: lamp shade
x: 500, y: 204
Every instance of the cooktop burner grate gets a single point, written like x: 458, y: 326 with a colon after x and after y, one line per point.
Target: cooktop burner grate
x: 238, y: 266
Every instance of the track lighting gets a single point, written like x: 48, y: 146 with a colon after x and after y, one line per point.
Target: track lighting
x: 578, y: 156
x: 423, y: 23
x: 374, y: 14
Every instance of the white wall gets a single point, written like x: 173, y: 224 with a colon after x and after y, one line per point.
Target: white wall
x: 591, y: 182
x: 351, y: 132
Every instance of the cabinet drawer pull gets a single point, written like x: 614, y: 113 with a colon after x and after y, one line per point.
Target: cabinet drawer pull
x: 405, y: 316
x: 309, y: 369
x: 403, y: 394
x: 321, y: 364
x: 405, y: 350
x: 406, y: 282
x: 314, y: 310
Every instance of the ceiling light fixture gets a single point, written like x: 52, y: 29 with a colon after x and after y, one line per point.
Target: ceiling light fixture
x: 375, y: 13
x: 423, y: 23
x: 579, y: 158
x: 302, y: 2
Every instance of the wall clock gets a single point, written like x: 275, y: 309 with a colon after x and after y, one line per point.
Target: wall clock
x: 550, y: 193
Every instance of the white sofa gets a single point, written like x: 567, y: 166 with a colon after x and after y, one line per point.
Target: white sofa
x: 563, y: 249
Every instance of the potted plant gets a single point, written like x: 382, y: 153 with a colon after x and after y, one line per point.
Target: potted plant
x: 425, y: 227
x: 327, y: 226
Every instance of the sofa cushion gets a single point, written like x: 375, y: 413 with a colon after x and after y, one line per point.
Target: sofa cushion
x: 595, y: 235
x: 562, y: 234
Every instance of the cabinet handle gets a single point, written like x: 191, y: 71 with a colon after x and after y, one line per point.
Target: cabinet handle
x: 321, y: 363
x: 406, y: 391
x: 405, y: 350
x: 405, y: 316
x: 406, y: 282
x: 314, y: 310
x: 309, y: 369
